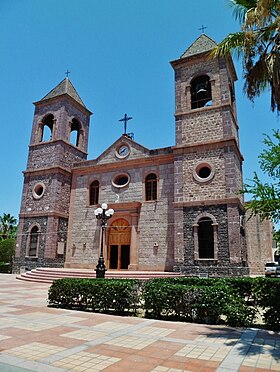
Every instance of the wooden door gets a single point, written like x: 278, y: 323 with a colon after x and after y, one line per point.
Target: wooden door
x: 119, y: 245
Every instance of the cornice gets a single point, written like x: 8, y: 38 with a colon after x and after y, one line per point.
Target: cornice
x: 66, y: 96
x: 54, y: 142
x: 185, y: 149
x: 126, y: 206
x: 43, y: 214
x: 197, y: 203
x: 124, y: 164
x: 197, y: 111
x: 48, y: 170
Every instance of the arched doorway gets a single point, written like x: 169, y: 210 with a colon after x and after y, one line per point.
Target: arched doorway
x: 119, y: 245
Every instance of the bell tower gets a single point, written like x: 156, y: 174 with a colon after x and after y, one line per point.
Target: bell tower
x: 59, y: 138
x: 208, y: 165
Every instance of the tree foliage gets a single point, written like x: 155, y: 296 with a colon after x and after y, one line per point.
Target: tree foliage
x: 258, y: 43
x: 7, y: 250
x: 8, y: 226
x: 266, y: 195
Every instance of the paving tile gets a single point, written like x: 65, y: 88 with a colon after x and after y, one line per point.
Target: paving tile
x: 131, y: 342
x: 154, y: 331
x: 85, y: 361
x: 84, y: 334
x: 44, y: 338
x: 112, y: 326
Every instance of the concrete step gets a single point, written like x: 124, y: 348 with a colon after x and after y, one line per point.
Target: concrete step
x: 48, y: 275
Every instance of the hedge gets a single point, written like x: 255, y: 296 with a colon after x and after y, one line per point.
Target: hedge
x: 231, y: 301
x: 103, y: 295
x: 202, y: 303
x: 5, y: 268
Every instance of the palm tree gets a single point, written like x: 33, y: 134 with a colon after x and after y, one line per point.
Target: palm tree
x: 258, y: 43
x: 7, y: 226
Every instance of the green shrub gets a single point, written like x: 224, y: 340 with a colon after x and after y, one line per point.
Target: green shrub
x: 267, y: 293
x: 5, y: 268
x: 231, y: 301
x: 7, y: 249
x: 211, y: 303
x: 103, y: 295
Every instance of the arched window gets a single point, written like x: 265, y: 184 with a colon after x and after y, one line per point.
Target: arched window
x: 47, y: 128
x: 33, y: 242
x: 201, y: 95
x: 151, y: 187
x: 205, y: 238
x: 94, y: 193
x: 75, y: 132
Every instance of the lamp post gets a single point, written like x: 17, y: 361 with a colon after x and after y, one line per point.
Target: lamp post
x: 102, y: 214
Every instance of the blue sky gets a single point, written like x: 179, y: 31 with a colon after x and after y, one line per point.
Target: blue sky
x: 118, y: 52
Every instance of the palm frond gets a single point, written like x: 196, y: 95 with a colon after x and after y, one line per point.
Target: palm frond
x: 233, y: 43
x: 240, y: 8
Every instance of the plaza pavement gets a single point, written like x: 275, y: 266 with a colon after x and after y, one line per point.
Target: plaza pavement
x: 34, y: 337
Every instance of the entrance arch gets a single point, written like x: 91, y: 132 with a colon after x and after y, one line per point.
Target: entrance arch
x: 119, y: 245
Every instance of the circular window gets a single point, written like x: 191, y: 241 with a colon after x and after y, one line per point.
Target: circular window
x: 121, y: 180
x: 203, y: 172
x: 38, y: 190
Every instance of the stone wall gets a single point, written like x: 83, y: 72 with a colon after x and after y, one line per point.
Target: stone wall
x: 53, y: 153
x: 259, y: 243
x: 223, y: 265
x: 56, y: 195
x: 22, y: 261
x: 213, y: 189
x: 212, y: 123
x: 154, y: 220
x: 63, y: 110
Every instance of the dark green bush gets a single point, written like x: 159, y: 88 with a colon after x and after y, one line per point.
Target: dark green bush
x: 267, y: 293
x: 5, y: 268
x: 7, y: 249
x: 232, y: 301
x: 196, y: 303
x: 103, y: 295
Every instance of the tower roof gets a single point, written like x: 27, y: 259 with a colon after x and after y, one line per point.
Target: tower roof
x: 202, y: 44
x: 64, y: 87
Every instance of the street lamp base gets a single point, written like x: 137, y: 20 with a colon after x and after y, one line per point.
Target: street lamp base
x: 100, y: 269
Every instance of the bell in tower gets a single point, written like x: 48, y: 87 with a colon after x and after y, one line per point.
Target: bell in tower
x: 201, y: 92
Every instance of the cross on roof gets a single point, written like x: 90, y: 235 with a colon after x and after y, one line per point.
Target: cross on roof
x: 202, y: 28
x: 67, y: 73
x: 125, y: 120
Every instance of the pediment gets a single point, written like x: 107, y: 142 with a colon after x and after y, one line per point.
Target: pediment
x: 123, y: 149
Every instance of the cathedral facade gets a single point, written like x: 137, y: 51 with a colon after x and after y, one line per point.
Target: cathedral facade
x: 176, y: 208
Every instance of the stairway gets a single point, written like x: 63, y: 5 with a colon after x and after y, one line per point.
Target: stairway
x: 48, y: 275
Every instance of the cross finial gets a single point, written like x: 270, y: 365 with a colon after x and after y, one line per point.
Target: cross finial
x: 125, y: 120
x: 202, y: 28
x: 67, y: 73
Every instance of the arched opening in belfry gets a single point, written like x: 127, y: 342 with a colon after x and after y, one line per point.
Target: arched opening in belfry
x: 201, y: 95
x: 75, y: 132
x: 47, y: 128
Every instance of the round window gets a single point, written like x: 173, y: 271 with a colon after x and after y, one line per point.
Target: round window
x: 38, y: 190
x: 203, y: 172
x: 121, y: 180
